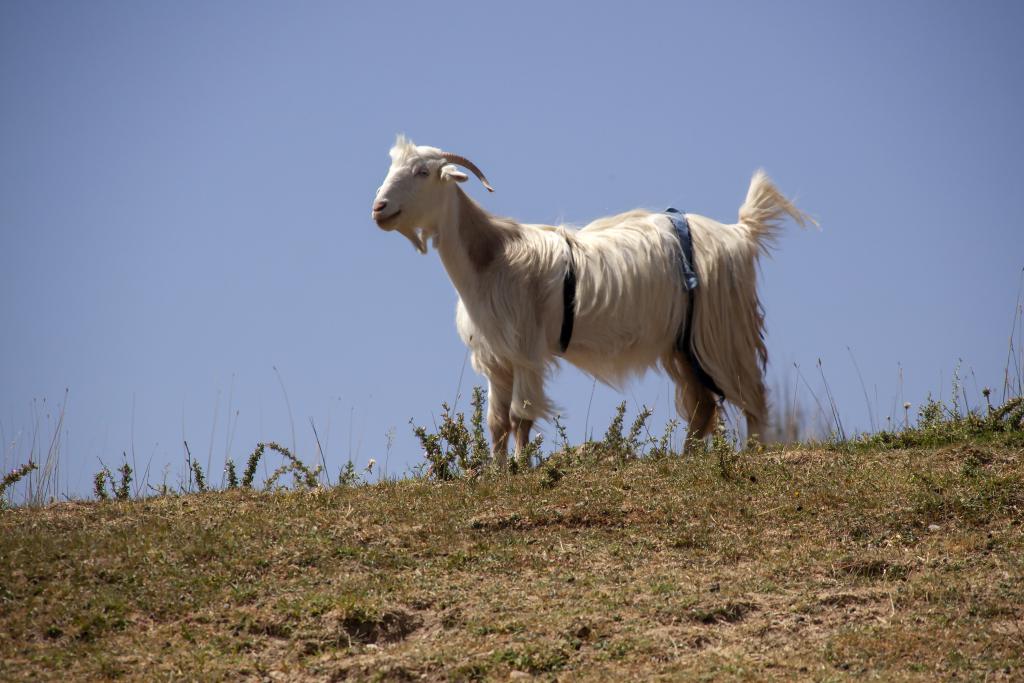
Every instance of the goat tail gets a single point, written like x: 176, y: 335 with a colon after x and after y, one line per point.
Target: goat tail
x: 764, y: 209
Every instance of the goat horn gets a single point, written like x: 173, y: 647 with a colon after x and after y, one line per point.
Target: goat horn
x: 463, y: 161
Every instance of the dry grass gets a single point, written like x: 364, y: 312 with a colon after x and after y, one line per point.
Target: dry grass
x: 798, y: 564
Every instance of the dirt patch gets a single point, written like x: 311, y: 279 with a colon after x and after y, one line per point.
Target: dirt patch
x: 388, y: 627
x: 569, y: 519
x: 271, y: 629
x: 729, y: 612
x: 844, y: 599
x: 873, y: 569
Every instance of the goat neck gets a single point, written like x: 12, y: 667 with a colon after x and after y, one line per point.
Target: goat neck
x: 470, y: 240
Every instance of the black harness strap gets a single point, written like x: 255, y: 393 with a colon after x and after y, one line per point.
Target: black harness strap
x: 684, y: 342
x: 568, y: 300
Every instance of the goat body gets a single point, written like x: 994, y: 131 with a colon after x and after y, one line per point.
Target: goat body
x: 631, y: 299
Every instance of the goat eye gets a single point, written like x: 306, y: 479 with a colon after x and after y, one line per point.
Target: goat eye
x: 422, y: 172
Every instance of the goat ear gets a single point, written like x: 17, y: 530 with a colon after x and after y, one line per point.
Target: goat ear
x: 451, y: 172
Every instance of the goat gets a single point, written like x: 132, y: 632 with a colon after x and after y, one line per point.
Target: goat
x: 630, y: 303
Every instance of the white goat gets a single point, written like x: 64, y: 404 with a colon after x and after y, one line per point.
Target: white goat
x: 630, y: 303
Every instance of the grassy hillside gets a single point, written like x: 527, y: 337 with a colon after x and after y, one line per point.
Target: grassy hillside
x: 898, y: 557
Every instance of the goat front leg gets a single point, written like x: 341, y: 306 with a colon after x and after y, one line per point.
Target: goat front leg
x: 522, y: 427
x: 529, y: 403
x: 499, y: 403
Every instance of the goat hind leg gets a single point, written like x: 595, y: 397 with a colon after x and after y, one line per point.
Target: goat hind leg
x: 703, y: 416
x: 755, y: 409
x: 693, y: 401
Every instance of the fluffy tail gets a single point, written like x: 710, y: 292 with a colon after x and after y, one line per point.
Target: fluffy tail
x: 765, y: 208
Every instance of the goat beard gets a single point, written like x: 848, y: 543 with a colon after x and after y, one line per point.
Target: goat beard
x: 416, y: 237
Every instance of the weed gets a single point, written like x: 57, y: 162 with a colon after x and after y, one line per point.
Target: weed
x: 200, y: 477
x: 320, y: 449
x: 348, y: 476
x: 533, y: 659
x: 229, y: 469
x: 250, y: 467
x: 633, y: 441
x: 563, y: 436
x: 123, y: 491
x: 939, y: 424
x: 526, y: 456
x: 1009, y: 416
x: 120, y: 491
x: 12, y: 478
x: 479, y: 451
x: 99, y: 484
x: 552, y: 475
x: 954, y: 411
x: 721, y: 448
x: 301, y: 474
x: 663, y: 447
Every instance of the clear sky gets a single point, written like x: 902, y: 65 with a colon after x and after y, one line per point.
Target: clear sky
x: 185, y: 192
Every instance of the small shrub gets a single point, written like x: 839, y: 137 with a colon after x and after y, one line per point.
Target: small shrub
x: 455, y: 451
x: 613, y: 439
x: 633, y: 442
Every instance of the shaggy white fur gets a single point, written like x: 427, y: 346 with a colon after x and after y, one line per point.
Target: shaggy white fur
x: 631, y: 301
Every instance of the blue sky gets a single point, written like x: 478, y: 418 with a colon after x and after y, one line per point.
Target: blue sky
x: 185, y: 192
